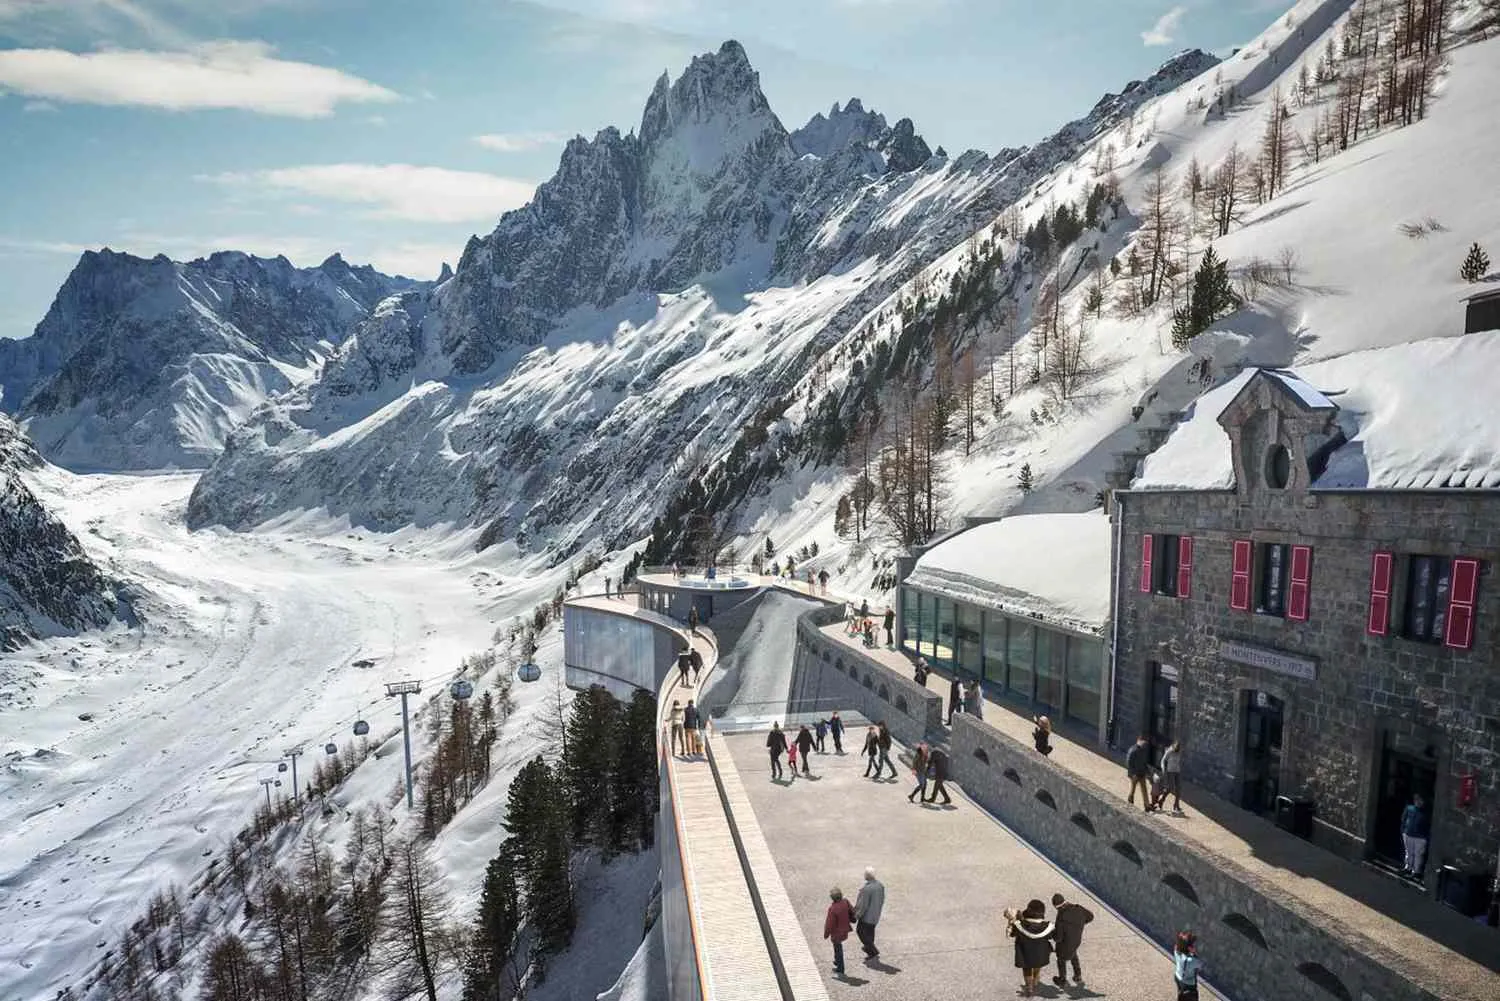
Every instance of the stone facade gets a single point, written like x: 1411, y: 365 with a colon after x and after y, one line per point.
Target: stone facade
x: 1351, y: 701
x: 825, y: 668
x: 1260, y: 941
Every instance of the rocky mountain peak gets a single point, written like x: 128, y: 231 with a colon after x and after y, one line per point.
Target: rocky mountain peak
x: 717, y: 89
x: 825, y: 136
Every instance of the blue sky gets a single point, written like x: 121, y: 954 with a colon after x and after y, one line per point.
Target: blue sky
x: 390, y: 131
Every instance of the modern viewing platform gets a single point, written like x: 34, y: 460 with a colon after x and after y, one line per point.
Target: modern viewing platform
x: 1432, y: 946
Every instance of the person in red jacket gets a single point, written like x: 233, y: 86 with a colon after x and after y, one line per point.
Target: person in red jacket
x: 837, y: 925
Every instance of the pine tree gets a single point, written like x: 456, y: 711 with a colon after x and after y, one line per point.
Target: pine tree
x: 1476, y: 265
x: 1211, y: 297
x: 487, y: 967
x: 588, y: 765
x: 1024, y: 481
x: 634, y: 781
x: 539, y: 848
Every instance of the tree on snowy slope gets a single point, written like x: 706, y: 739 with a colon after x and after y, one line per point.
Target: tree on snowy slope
x: 1212, y: 296
x: 634, y: 779
x: 911, y: 482
x: 539, y: 848
x: 418, y: 946
x: 1476, y: 265
x: 1226, y: 190
x: 588, y: 765
x: 490, y: 972
x: 1274, y: 145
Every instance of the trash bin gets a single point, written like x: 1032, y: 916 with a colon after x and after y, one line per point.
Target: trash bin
x: 1295, y: 815
x: 1465, y: 892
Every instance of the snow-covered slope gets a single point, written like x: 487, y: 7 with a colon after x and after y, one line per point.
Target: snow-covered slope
x: 48, y: 585
x: 664, y: 290
x: 147, y: 364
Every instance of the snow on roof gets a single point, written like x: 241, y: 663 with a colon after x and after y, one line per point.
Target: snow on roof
x: 1052, y: 567
x: 1418, y: 416
x: 1311, y: 398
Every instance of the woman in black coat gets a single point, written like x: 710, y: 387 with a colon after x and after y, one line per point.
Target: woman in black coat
x: 1033, y: 934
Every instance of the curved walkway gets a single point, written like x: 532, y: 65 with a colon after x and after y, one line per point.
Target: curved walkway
x: 948, y: 873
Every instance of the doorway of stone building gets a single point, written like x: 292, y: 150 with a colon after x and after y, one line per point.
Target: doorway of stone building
x: 1261, y: 751
x: 1162, y: 725
x: 1402, y: 776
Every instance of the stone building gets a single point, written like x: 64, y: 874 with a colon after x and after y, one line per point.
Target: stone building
x: 1304, y: 593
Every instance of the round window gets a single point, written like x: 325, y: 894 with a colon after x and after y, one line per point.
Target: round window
x: 1278, y: 467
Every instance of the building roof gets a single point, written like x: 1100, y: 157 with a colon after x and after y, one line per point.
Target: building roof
x: 1483, y: 294
x: 1420, y: 415
x: 1052, y: 567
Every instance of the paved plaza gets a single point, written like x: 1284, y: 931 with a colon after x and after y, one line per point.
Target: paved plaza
x: 948, y: 874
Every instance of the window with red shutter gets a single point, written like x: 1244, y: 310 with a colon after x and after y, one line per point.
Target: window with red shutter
x: 1239, y: 584
x: 1379, y: 621
x: 1147, y: 545
x: 1185, y: 567
x: 1300, y: 588
x: 1459, y: 632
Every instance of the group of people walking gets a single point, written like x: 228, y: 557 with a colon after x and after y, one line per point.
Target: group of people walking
x: 687, y: 729
x: 1039, y: 939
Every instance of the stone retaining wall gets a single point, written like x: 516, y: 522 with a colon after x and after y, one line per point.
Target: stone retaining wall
x: 824, y: 668
x: 1257, y: 941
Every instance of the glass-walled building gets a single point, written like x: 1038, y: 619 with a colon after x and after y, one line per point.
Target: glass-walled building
x: 1021, y: 603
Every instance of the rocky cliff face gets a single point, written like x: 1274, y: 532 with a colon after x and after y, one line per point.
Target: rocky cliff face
x: 661, y: 291
x: 48, y: 585
x: 143, y: 364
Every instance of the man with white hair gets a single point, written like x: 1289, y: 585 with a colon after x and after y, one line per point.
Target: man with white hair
x: 867, y: 908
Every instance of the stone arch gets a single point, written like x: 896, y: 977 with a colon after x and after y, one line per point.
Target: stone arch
x: 1326, y: 979
x: 1046, y: 799
x: 1011, y: 774
x: 827, y: 655
x: 1177, y: 882
x: 901, y: 704
x: 838, y: 665
x: 1246, y: 927
x: 884, y: 692
x: 982, y: 755
x: 869, y: 682
x: 1127, y: 851
x: 1083, y: 823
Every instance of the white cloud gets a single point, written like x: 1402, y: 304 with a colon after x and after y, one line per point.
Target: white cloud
x: 243, y: 75
x: 517, y: 142
x: 1164, y: 31
x: 31, y: 107
x: 396, y: 190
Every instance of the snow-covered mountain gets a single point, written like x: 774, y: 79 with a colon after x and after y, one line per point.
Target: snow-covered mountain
x: 48, y: 585
x: 662, y: 291
x: 146, y: 364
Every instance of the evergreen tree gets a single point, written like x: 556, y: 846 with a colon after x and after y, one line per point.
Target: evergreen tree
x: 1476, y: 265
x: 1025, y: 481
x: 635, y: 790
x: 493, y: 940
x: 588, y: 765
x: 770, y: 549
x: 539, y: 850
x: 1211, y: 297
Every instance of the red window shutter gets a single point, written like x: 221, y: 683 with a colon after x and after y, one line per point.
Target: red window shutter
x: 1297, y: 592
x: 1379, y: 622
x: 1185, y: 567
x: 1459, y: 630
x: 1239, y: 585
x: 1146, y: 543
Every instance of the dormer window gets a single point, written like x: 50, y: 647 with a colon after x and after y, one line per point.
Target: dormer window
x: 1278, y: 467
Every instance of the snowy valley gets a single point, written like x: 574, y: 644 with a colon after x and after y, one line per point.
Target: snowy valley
x: 700, y: 334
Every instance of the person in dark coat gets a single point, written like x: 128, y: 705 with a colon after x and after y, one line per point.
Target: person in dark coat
x: 920, y: 672
x: 693, y: 620
x: 1138, y: 768
x: 890, y: 627
x: 1068, y: 936
x: 776, y: 744
x: 1033, y: 934
x: 684, y: 664
x: 872, y: 751
x: 884, y: 740
x: 955, y: 698
x: 696, y: 659
x: 919, y: 769
x: 836, y: 730
x: 837, y: 924
x: 937, y: 763
x: 820, y: 731
x: 804, y: 747
x: 1042, y: 735
x: 690, y: 723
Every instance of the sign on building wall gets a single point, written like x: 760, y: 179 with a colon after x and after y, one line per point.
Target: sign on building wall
x: 1270, y: 660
